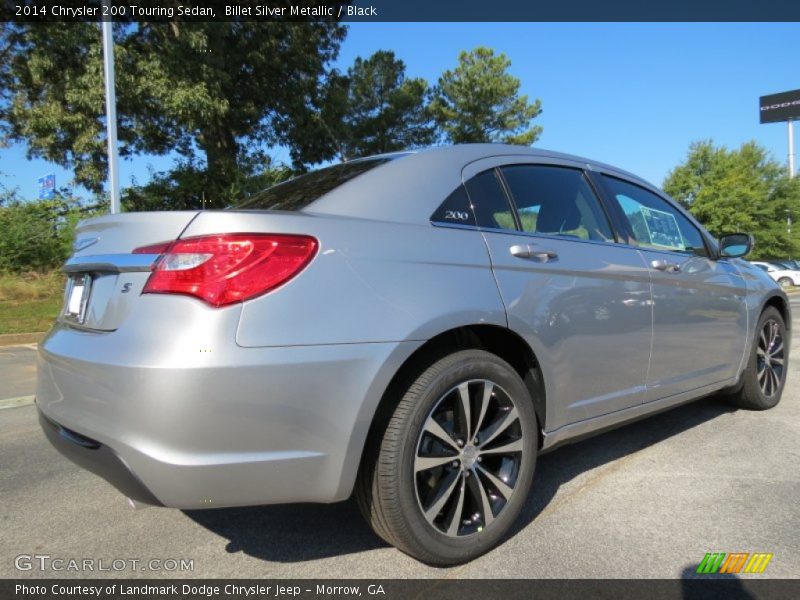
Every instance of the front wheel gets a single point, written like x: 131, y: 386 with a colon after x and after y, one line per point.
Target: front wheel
x: 765, y: 372
x: 785, y: 282
x: 454, y: 466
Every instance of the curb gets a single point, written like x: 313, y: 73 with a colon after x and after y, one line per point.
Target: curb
x: 11, y: 339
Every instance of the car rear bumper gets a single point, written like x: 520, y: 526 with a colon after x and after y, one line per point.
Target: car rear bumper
x: 97, y: 458
x: 231, y: 427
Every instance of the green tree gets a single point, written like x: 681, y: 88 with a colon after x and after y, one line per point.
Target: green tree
x: 479, y: 101
x: 217, y: 93
x: 186, y: 187
x: 739, y: 190
x: 372, y: 109
x: 38, y: 234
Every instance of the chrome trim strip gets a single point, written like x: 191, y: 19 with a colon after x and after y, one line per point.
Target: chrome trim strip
x: 114, y: 263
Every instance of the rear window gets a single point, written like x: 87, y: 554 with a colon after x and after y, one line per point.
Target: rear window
x: 301, y: 191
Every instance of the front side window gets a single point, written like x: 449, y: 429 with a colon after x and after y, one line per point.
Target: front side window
x: 557, y: 201
x: 654, y: 222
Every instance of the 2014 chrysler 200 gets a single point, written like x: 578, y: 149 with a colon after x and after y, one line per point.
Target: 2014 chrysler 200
x: 411, y: 328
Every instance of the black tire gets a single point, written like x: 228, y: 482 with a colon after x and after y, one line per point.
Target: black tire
x: 395, y: 481
x: 785, y: 282
x: 758, y: 388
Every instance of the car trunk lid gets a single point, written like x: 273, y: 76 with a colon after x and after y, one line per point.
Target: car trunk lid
x: 104, y: 277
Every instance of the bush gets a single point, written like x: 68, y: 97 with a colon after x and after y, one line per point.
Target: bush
x: 38, y: 235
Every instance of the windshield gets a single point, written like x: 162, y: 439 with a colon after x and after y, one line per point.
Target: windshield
x: 301, y: 191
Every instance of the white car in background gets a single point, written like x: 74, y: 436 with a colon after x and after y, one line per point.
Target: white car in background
x: 785, y: 277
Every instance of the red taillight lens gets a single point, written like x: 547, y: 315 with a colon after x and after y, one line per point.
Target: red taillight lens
x: 227, y: 268
x: 153, y: 248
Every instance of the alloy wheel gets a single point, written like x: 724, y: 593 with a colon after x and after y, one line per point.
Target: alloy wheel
x: 468, y: 458
x: 770, y: 358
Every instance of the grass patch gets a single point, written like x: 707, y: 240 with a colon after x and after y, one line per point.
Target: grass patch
x: 29, y: 302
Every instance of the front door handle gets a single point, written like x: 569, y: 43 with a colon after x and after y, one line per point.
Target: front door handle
x: 528, y: 251
x: 665, y: 265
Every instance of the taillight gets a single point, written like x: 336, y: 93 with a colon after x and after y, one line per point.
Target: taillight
x: 227, y: 268
x: 153, y: 248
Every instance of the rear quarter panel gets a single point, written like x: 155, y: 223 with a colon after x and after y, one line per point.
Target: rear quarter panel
x: 371, y: 281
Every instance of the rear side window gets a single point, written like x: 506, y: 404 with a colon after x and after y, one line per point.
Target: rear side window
x: 481, y: 200
x: 301, y: 191
x: 490, y: 202
x: 654, y: 222
x: 557, y: 201
x: 455, y: 210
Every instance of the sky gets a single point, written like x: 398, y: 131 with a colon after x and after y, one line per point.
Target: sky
x: 634, y: 95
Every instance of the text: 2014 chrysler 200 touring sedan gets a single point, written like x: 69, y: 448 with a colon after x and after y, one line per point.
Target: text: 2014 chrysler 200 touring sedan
x: 410, y: 328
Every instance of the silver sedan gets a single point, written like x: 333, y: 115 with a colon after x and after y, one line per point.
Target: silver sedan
x: 412, y: 329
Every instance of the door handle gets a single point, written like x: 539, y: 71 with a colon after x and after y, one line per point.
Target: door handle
x: 665, y: 265
x: 527, y: 251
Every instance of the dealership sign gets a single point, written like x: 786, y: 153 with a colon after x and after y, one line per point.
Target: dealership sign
x: 780, y: 107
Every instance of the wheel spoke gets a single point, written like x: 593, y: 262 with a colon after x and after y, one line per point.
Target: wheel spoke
x: 778, y: 349
x: 499, y: 426
x: 488, y: 390
x: 761, y: 373
x: 446, y: 491
x: 423, y: 463
x: 455, y: 518
x: 436, y: 430
x: 498, y: 483
x: 479, y: 493
x: 776, y: 381
x: 513, y: 446
x: 466, y: 412
x: 767, y: 387
x: 763, y: 340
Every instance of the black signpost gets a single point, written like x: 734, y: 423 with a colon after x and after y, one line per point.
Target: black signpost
x: 784, y: 106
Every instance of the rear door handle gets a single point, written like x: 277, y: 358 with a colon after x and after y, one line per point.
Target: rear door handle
x: 528, y: 251
x: 665, y: 265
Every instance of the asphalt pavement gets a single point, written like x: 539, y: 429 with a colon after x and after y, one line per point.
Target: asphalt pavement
x: 644, y: 501
x: 17, y: 373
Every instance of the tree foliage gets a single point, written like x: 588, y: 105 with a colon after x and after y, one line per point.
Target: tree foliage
x: 38, y: 235
x: 186, y: 187
x: 371, y: 109
x: 739, y: 190
x: 479, y: 101
x: 222, y: 96
x: 222, y: 89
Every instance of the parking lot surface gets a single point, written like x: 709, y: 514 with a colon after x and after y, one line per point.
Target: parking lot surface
x: 17, y: 371
x: 644, y: 501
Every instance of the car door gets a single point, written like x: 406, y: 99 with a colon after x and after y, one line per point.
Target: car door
x: 580, y: 299
x: 699, y: 312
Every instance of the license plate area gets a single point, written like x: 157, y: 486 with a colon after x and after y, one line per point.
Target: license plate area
x: 79, y: 288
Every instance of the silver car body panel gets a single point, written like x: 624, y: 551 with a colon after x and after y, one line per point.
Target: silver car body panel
x: 271, y: 400
x: 396, y: 282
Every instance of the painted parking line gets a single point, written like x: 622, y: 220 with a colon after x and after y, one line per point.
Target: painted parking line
x: 16, y: 402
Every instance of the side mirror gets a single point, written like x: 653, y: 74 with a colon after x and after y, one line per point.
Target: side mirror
x: 735, y: 245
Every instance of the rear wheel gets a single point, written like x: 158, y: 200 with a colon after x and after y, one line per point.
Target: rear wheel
x: 453, y: 468
x: 765, y: 372
x: 785, y: 282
